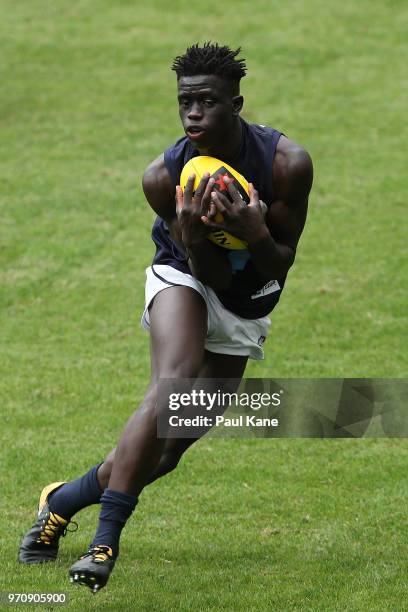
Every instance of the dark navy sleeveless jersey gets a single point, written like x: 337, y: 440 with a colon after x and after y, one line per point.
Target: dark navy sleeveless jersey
x: 248, y: 296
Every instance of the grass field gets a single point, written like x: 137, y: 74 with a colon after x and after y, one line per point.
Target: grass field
x: 87, y: 100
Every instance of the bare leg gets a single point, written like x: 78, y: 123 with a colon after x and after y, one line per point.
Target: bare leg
x: 214, y: 366
x: 178, y: 319
x: 178, y: 328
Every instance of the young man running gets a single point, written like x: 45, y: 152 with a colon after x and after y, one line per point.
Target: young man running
x: 206, y: 308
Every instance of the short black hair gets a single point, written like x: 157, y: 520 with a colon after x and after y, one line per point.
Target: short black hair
x: 211, y: 58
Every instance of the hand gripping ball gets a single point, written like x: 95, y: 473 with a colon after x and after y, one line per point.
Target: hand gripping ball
x: 218, y: 170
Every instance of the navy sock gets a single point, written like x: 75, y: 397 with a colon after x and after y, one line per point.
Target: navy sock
x: 77, y: 494
x: 116, y: 508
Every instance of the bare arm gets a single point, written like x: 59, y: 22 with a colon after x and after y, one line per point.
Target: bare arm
x: 273, y: 251
x: 272, y: 240
x: 206, y: 261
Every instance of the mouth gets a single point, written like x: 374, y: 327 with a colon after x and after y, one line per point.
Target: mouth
x: 194, y: 132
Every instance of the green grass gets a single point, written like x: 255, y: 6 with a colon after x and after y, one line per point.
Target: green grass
x: 87, y: 100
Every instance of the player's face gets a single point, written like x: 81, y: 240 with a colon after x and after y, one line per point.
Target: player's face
x: 208, y: 110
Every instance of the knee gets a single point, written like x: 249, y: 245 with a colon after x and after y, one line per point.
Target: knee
x: 156, y: 401
x: 170, y: 460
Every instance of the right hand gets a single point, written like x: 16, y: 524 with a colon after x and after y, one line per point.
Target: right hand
x: 191, y: 207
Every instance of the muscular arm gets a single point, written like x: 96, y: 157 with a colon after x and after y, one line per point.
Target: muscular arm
x: 273, y: 247
x: 205, y: 260
x: 271, y: 240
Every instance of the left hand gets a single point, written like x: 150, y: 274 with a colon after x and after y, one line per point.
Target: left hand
x: 246, y: 221
x: 190, y: 206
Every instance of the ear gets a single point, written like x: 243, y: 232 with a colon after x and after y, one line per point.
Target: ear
x: 237, y: 104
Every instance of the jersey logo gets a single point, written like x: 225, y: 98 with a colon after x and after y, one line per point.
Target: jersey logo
x: 270, y: 287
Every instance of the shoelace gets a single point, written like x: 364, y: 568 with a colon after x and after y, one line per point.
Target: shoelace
x: 54, y: 527
x: 99, y: 554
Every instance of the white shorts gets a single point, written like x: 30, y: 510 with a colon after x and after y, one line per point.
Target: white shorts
x: 227, y: 333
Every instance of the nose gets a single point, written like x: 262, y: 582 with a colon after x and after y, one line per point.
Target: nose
x: 195, y: 112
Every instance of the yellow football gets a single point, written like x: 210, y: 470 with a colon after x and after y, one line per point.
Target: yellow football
x: 218, y: 170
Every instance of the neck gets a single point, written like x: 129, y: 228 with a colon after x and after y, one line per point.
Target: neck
x: 229, y: 147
